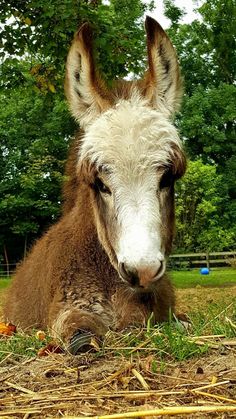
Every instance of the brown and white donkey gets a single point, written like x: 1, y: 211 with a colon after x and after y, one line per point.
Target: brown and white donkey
x: 103, y: 264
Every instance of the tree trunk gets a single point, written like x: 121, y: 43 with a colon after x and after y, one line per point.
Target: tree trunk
x: 25, y: 247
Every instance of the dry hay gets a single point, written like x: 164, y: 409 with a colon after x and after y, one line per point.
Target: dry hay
x: 87, y: 385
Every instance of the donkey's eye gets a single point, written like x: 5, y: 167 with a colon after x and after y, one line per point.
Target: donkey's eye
x: 167, y: 179
x: 101, y: 187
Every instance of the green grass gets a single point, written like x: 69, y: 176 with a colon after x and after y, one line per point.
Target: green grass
x: 171, y: 340
x: 20, y: 346
x: 4, y: 282
x: 216, y: 278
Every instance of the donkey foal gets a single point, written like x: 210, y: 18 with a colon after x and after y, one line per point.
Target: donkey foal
x: 103, y: 264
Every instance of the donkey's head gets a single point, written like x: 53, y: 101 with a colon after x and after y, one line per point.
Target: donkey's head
x: 130, y: 155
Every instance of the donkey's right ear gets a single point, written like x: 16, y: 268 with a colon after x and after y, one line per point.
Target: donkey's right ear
x: 163, y: 80
x: 85, y: 91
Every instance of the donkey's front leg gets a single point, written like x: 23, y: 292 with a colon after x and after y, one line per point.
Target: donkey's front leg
x: 77, y: 321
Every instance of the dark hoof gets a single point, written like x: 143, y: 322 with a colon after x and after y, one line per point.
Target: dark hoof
x: 81, y: 342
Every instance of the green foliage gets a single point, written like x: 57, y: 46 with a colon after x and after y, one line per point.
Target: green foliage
x: 208, y: 123
x: 171, y: 340
x: 206, y: 49
x: 174, y: 13
x: 4, y: 283
x: 34, y: 133
x: 221, y: 36
x: 213, y: 321
x: 44, y: 31
x: 201, y: 199
x: 206, y: 46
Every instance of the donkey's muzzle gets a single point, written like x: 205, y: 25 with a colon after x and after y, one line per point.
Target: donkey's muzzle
x: 143, y: 276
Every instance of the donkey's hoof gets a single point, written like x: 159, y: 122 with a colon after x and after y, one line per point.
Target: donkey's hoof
x: 81, y: 341
x: 183, y: 322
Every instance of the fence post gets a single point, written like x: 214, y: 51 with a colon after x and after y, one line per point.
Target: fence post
x: 208, y: 259
x: 6, y: 259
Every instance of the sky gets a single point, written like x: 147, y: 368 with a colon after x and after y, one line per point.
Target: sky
x: 188, y: 5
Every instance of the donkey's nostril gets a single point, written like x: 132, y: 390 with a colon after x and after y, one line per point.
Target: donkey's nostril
x: 122, y: 270
x: 150, y: 273
x: 159, y: 269
x: 129, y: 274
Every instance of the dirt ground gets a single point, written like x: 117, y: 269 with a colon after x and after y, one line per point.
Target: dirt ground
x: 61, y: 385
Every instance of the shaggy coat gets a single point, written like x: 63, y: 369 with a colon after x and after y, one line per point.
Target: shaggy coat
x: 103, y: 264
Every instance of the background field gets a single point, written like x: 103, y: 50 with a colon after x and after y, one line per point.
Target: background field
x: 186, y: 279
x: 216, y: 278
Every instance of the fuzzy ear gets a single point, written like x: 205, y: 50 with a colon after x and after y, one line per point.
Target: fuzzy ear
x: 163, y: 82
x: 85, y: 91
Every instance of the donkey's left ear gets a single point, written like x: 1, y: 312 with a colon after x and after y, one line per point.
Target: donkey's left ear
x: 85, y: 91
x: 163, y: 81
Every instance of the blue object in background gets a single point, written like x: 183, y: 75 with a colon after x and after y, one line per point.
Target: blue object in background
x: 204, y: 271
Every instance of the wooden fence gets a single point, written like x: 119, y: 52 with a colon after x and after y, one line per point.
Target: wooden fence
x: 180, y: 261
x: 7, y: 269
x: 204, y: 259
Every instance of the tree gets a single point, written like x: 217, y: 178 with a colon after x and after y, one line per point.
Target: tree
x: 206, y: 48
x: 208, y: 123
x: 43, y: 30
x: 34, y: 134
x: 201, y: 203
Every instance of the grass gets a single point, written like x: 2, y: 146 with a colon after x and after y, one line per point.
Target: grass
x: 171, y: 340
x: 167, y: 341
x: 4, y: 283
x: 216, y: 278
x: 20, y: 346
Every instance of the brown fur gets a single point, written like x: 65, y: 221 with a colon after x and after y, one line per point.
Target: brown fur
x: 69, y: 281
x: 71, y: 182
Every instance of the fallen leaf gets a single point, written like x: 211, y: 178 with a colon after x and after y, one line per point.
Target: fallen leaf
x: 7, y: 329
x: 40, y: 335
x: 51, y: 347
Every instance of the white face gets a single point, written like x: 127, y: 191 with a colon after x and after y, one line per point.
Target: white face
x: 134, y: 148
